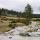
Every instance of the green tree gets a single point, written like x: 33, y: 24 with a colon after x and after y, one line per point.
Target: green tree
x: 28, y: 13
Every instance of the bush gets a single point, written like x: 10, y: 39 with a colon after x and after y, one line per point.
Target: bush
x: 26, y: 22
x: 10, y: 25
x: 13, y: 21
x: 36, y: 19
x: 32, y: 30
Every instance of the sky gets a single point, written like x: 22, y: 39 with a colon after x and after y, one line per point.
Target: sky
x: 19, y: 5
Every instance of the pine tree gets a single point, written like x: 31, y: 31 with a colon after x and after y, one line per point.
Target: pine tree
x: 28, y: 13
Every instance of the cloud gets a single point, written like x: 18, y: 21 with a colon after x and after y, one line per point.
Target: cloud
x: 19, y: 5
x: 13, y: 4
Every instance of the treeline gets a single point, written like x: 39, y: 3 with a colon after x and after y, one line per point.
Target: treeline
x: 6, y: 12
x: 36, y: 16
x: 26, y: 14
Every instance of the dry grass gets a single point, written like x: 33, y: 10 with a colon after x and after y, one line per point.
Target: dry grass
x: 4, y: 22
x: 4, y: 26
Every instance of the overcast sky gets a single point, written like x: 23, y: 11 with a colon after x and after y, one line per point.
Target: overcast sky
x: 19, y: 5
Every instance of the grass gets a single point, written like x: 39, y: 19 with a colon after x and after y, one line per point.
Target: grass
x: 32, y: 30
x: 35, y: 19
x: 4, y: 26
x: 4, y: 23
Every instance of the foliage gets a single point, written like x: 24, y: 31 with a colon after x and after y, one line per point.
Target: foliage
x: 36, y: 19
x: 28, y: 13
x: 12, y: 24
x: 32, y: 30
x: 13, y: 21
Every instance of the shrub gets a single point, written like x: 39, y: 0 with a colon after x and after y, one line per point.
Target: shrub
x: 36, y: 19
x: 13, y: 21
x: 32, y: 30
x: 12, y: 25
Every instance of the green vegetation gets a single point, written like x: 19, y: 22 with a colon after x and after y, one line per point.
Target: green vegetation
x: 35, y: 19
x: 32, y: 30
x: 28, y: 13
x: 10, y: 19
x: 12, y: 24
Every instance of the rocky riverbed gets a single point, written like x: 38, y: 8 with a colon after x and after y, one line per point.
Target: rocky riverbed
x: 14, y: 33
